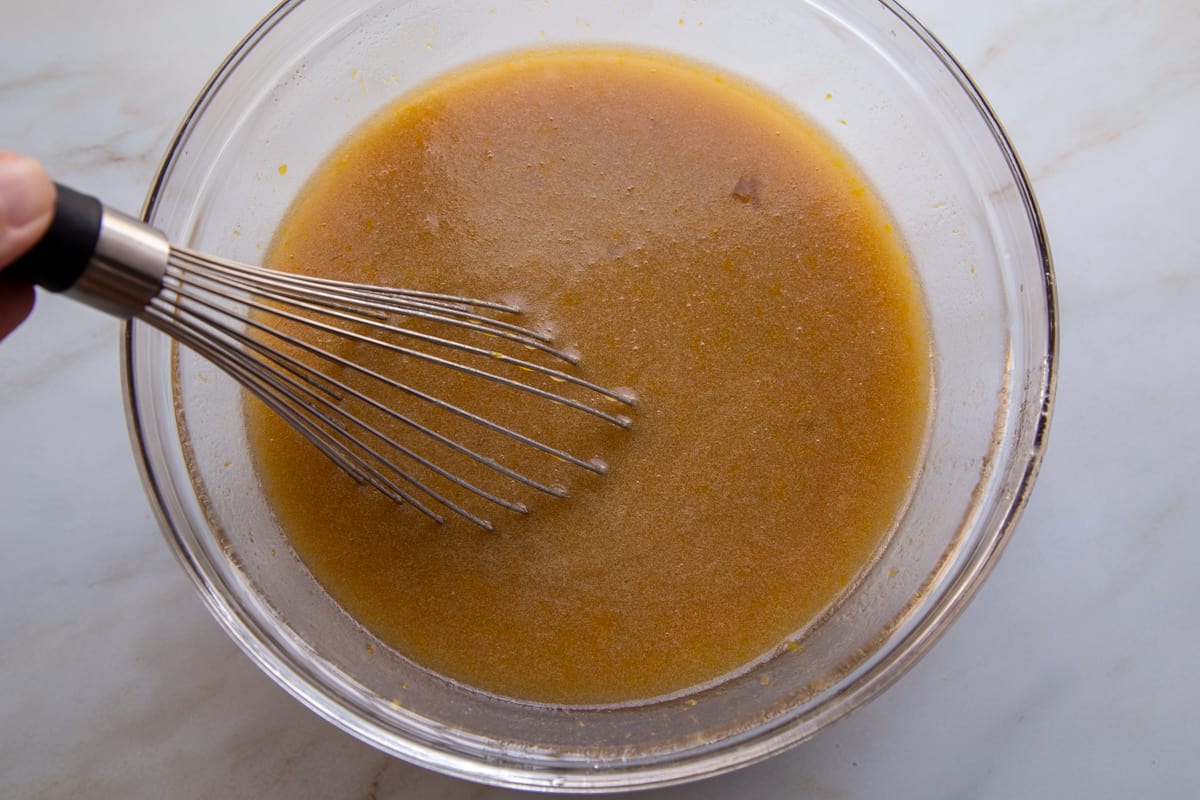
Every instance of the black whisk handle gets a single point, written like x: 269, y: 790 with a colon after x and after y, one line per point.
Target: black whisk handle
x: 57, y: 261
x: 97, y: 255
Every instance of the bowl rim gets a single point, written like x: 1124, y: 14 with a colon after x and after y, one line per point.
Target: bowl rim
x: 709, y: 762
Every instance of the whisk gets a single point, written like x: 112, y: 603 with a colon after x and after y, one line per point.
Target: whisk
x: 240, y: 317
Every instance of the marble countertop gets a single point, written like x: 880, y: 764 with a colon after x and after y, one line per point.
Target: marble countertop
x: 1071, y: 675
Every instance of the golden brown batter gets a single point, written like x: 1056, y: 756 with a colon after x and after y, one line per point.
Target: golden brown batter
x: 698, y: 243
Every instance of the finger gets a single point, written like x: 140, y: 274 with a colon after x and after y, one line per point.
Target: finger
x: 26, y: 205
x: 16, y: 301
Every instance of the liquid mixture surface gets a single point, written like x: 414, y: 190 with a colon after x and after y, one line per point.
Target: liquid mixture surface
x: 698, y: 243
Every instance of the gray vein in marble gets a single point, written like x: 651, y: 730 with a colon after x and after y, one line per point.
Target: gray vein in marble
x: 1024, y: 26
x: 1105, y: 104
x: 35, y: 80
x: 376, y: 778
x: 19, y: 381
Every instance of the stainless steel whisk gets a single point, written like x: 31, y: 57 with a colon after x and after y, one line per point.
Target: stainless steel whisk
x: 129, y: 269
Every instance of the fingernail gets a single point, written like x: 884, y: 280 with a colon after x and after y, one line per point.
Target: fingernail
x: 25, y: 192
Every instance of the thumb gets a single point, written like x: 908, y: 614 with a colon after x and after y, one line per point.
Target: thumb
x: 26, y: 205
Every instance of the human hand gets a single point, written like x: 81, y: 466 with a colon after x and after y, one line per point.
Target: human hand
x: 26, y: 209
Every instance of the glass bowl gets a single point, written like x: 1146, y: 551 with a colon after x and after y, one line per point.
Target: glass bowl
x: 883, y: 88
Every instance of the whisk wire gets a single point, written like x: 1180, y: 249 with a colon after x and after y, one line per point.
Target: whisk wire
x: 554, y: 374
x: 412, y: 391
x: 250, y: 372
x: 446, y: 309
x: 202, y: 260
x: 298, y: 368
x: 268, y: 386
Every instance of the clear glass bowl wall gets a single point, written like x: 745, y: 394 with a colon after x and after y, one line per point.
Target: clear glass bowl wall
x: 876, y: 82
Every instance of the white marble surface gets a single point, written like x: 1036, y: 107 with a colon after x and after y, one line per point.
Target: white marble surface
x: 1071, y: 675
